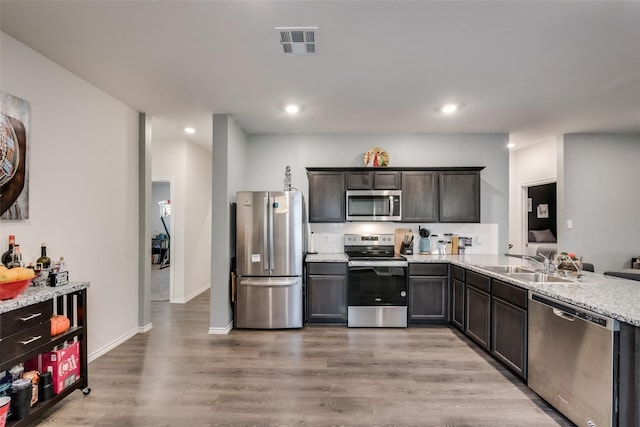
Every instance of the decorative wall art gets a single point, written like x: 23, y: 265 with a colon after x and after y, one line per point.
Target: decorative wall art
x: 543, y: 211
x: 15, y: 121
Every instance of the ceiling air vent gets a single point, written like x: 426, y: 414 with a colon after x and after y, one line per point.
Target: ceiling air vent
x: 298, y: 40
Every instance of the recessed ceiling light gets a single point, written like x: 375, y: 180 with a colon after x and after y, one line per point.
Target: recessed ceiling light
x: 449, y: 108
x: 511, y: 145
x: 189, y: 130
x: 292, y: 109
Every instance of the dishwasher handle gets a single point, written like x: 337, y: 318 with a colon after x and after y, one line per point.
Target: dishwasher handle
x: 563, y: 315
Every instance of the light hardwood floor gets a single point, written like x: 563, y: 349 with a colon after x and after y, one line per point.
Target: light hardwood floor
x: 178, y: 375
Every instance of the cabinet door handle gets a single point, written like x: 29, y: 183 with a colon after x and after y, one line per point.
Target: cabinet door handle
x: 30, y: 340
x: 32, y: 316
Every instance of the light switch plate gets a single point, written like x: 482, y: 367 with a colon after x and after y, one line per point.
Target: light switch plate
x: 569, y: 223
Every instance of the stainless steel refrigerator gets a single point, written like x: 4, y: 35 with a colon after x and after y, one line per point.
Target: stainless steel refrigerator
x: 269, y: 259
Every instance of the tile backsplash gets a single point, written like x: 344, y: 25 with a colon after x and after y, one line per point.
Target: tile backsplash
x: 329, y: 237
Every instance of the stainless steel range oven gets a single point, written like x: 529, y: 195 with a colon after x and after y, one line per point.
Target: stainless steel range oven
x: 377, y: 282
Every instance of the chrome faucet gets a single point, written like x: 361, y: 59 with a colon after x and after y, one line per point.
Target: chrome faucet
x: 545, y: 264
x: 577, y: 267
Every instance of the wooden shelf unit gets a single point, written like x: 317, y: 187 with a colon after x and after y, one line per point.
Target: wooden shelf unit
x: 73, y: 305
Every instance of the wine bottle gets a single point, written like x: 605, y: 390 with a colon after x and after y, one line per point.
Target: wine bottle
x: 6, y: 257
x: 44, y: 261
x: 16, y: 258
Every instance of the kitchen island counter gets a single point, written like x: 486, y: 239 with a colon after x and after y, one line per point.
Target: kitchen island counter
x: 610, y: 296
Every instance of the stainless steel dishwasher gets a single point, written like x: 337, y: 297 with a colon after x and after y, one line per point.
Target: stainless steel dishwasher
x: 573, y: 360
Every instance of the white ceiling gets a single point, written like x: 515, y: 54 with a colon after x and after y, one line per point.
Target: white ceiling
x: 531, y: 68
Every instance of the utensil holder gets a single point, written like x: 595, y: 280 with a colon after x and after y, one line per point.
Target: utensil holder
x: 406, y: 249
x: 425, y: 244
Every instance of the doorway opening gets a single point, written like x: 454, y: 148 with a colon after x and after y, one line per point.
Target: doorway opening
x: 161, y: 226
x: 540, y: 226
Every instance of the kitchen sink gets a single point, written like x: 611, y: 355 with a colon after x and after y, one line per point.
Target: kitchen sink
x: 504, y: 269
x: 537, y: 277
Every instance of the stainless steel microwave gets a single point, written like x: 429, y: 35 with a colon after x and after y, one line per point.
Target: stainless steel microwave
x: 374, y: 205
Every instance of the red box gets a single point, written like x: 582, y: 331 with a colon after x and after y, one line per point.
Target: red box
x: 64, y: 365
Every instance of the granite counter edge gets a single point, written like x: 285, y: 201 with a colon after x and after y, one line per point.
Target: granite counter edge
x: 33, y: 295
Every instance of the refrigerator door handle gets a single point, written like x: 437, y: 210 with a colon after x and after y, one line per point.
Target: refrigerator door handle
x: 271, y: 245
x: 281, y: 282
x: 265, y: 236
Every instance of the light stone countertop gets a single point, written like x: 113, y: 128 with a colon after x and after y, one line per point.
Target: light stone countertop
x: 327, y: 257
x: 609, y: 296
x: 36, y: 294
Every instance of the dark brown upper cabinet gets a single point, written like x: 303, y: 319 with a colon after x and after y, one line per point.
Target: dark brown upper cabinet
x: 459, y: 196
x: 373, y: 180
x: 326, y: 196
x: 420, y: 196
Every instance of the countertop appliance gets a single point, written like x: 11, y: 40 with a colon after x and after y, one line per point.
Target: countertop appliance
x: 572, y: 360
x: 269, y: 259
x: 374, y: 205
x: 377, y: 291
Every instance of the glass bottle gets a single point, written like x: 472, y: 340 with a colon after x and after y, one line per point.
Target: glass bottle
x: 44, y: 261
x: 62, y: 265
x: 16, y: 258
x: 6, y: 257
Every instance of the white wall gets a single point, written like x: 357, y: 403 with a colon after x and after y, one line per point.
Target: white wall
x: 229, y: 173
x: 83, y: 187
x: 529, y: 166
x: 599, y: 181
x: 268, y: 155
x: 198, y: 220
x: 188, y: 167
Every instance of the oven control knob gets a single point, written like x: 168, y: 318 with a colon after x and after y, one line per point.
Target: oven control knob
x: 403, y: 294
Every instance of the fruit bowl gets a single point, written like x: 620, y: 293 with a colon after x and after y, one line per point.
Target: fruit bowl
x: 9, y: 290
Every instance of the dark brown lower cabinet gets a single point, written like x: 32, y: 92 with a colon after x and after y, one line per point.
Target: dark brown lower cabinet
x: 478, y: 315
x: 428, y: 301
x: 509, y: 335
x: 457, y: 303
x: 629, y: 392
x: 509, y: 326
x: 326, y: 293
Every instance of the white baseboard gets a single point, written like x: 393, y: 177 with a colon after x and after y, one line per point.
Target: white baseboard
x: 145, y: 328
x: 221, y: 331
x: 191, y: 296
x: 113, y: 344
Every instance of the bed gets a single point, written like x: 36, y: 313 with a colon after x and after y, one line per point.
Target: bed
x: 542, y: 242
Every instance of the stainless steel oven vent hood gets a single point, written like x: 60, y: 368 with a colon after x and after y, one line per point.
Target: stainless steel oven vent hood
x: 298, y: 40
